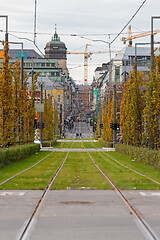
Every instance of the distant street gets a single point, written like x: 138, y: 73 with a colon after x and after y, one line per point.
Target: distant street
x: 80, y: 127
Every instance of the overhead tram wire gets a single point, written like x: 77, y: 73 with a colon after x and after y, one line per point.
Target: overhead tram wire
x: 69, y: 34
x: 128, y: 22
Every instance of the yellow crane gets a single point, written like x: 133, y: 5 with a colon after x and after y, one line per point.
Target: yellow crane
x: 139, y: 35
x: 87, y: 55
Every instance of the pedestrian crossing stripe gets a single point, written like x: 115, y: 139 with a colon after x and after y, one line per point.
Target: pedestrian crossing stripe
x: 12, y: 194
x: 151, y: 194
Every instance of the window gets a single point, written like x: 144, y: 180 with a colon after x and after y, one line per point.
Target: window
x: 42, y: 64
x: 53, y: 64
x: 59, y: 98
x: 48, y: 64
x: 117, y: 74
x: 57, y: 74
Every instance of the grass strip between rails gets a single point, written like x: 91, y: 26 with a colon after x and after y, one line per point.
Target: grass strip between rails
x: 77, y: 145
x: 16, y: 167
x: 79, y: 172
x: 67, y: 144
x: 124, y: 178
x: 137, y: 166
x: 90, y: 145
x: 96, y: 145
x: 39, y: 176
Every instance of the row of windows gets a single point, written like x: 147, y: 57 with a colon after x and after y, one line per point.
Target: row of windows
x: 38, y: 64
x: 49, y: 74
x: 141, y: 61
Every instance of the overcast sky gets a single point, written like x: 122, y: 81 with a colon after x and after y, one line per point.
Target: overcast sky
x: 93, y: 19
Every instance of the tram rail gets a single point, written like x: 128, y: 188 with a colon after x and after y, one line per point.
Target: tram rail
x: 17, y: 174
x: 142, y: 224
x: 28, y: 225
x: 141, y: 174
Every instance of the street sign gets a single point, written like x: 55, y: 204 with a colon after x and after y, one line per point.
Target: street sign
x: 39, y: 107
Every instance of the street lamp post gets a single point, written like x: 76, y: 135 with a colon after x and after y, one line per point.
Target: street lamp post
x: 152, y: 43
x: 6, y: 34
x: 41, y: 117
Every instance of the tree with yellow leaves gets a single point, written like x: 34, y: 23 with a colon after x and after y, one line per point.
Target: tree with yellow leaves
x: 31, y: 109
x: 107, y: 119
x: 151, y: 111
x: 48, y: 119
x: 6, y: 102
x: 131, y: 110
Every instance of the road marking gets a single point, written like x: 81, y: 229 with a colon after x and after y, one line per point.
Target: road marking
x: 150, y: 194
x: 156, y: 194
x: 143, y: 194
x: 12, y: 194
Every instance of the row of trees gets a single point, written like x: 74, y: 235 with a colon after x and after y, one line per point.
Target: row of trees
x: 139, y: 111
x: 17, y: 111
x: 17, y: 108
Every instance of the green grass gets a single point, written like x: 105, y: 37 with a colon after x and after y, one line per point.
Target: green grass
x: 88, y: 145
x: 37, y: 177
x: 67, y: 144
x: 93, y: 145
x: 96, y: 144
x: 77, y: 145
x: 124, y: 178
x: 14, y: 168
x: 79, y: 171
x: 58, y: 144
x: 140, y: 167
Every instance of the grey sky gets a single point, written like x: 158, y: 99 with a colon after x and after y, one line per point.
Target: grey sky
x: 82, y: 17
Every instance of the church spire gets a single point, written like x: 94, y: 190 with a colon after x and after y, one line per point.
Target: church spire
x: 56, y: 38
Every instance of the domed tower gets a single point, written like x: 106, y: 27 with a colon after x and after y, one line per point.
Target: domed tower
x: 56, y: 49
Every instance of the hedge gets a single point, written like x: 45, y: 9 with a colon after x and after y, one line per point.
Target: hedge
x: 17, y: 153
x: 103, y: 143
x: 49, y: 143
x: 140, y: 154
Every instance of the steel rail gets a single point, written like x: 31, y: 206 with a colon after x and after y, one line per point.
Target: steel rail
x: 17, y: 174
x: 141, y: 174
x: 24, y: 233
x: 147, y: 231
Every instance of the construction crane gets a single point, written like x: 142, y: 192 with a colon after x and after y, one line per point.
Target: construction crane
x: 130, y: 36
x: 87, y: 55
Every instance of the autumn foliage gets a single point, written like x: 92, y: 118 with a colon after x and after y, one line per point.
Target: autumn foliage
x: 17, y: 110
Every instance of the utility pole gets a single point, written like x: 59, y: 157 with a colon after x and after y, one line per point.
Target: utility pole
x: 41, y: 118
x: 6, y: 34
x: 152, y: 43
x: 114, y: 116
x: 35, y: 16
x: 54, y: 116
x: 60, y: 118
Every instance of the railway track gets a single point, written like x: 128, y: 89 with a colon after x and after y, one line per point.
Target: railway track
x: 17, y: 174
x: 141, y: 223
x: 131, y: 169
x: 28, y: 226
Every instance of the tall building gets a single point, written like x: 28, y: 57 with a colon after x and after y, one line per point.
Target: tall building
x: 55, y: 49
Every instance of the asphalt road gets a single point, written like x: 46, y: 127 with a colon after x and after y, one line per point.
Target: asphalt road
x: 78, y: 215
x: 80, y: 127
